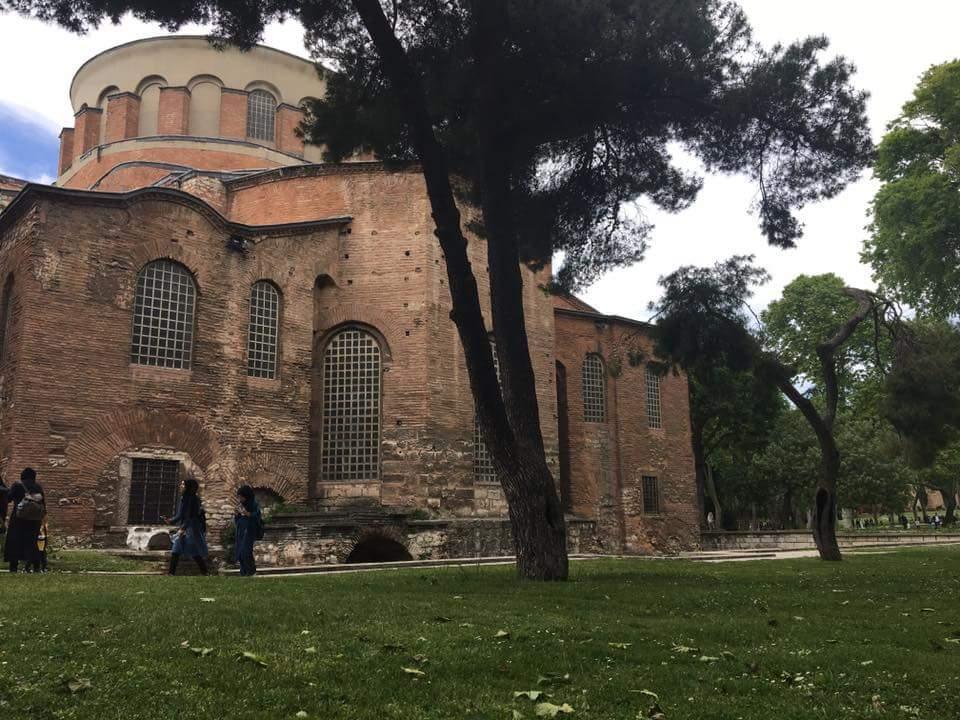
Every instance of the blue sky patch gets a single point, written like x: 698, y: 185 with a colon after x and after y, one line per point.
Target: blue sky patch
x: 29, y: 145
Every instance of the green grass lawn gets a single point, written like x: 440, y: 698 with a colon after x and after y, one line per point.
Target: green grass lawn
x: 874, y: 636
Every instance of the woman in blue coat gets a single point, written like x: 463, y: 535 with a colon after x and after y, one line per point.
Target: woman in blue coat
x: 249, y: 523
x: 191, y: 535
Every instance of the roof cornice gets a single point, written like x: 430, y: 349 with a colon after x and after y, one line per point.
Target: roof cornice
x: 124, y: 200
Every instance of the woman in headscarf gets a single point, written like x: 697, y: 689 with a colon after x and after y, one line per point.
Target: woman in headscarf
x: 191, y: 536
x: 248, y: 522
x: 28, y: 505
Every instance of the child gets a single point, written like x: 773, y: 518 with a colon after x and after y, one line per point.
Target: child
x: 42, y: 541
x: 249, y: 525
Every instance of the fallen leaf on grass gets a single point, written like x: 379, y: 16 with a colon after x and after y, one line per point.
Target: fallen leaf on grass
x: 684, y: 649
x: 202, y: 652
x: 927, y: 610
x: 208, y: 599
x: 502, y: 634
x: 708, y: 659
x: 413, y: 671
x: 248, y: 656
x: 952, y: 640
x: 726, y: 654
x: 533, y: 695
x: 78, y: 685
x: 310, y: 650
x: 301, y: 714
x: 648, y: 693
x: 546, y: 709
x: 654, y: 713
x: 867, y: 662
x: 619, y: 646
x: 421, y: 659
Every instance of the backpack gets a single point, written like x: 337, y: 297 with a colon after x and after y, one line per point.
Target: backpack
x: 29, y: 510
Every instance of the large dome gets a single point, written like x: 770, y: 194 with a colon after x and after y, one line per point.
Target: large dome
x: 151, y: 106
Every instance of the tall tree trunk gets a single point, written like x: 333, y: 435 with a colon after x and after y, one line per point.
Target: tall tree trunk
x: 699, y: 468
x: 508, y: 420
x: 711, y: 487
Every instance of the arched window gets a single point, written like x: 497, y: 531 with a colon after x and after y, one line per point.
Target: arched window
x: 163, y: 316
x: 263, y: 332
x: 594, y: 389
x: 483, y: 470
x: 261, y: 111
x: 654, y: 419
x: 6, y: 310
x: 350, y: 435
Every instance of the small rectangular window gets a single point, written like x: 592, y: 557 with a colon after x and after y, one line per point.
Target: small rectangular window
x: 654, y: 419
x: 154, y: 487
x: 483, y: 470
x: 651, y: 495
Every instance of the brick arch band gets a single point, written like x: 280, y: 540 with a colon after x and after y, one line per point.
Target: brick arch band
x: 109, y: 434
x: 285, y: 478
x: 384, y: 322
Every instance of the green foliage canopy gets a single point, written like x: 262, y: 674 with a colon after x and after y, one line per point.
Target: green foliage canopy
x: 914, y: 246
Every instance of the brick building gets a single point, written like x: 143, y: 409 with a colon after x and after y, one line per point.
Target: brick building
x: 199, y: 294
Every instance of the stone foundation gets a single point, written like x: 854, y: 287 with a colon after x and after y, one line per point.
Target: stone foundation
x: 323, y: 538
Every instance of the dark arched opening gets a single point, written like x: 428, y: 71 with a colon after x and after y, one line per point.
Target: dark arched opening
x: 378, y: 549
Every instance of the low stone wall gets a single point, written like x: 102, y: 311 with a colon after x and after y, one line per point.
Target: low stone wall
x: 318, y: 538
x: 803, y: 539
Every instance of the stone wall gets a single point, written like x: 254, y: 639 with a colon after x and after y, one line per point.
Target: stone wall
x: 803, y: 540
x: 309, y: 539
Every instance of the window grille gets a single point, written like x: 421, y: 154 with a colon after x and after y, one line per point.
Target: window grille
x: 154, y: 487
x: 594, y: 390
x: 263, y: 331
x: 350, y: 447
x: 654, y: 419
x: 651, y: 495
x: 261, y: 112
x: 163, y: 316
x: 483, y: 470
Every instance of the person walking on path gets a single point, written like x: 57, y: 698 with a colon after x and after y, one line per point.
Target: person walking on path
x: 191, y: 535
x: 248, y: 522
x: 28, y: 509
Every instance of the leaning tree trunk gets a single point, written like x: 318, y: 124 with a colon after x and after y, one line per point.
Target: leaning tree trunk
x: 825, y: 509
x: 507, y: 413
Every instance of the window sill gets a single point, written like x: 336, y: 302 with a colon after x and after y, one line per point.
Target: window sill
x: 263, y: 383
x: 151, y: 372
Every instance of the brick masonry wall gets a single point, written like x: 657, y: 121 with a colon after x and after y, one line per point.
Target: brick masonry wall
x: 66, y: 150
x: 86, y: 132
x: 174, y: 113
x: 123, y: 116
x: 201, y: 158
x: 607, y: 460
x: 233, y: 114
x: 81, y: 407
x: 287, y: 122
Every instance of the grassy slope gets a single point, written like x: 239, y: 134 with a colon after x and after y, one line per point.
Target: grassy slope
x: 125, y: 635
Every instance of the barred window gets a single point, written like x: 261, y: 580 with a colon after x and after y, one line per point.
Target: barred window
x: 594, y: 389
x: 261, y: 111
x: 350, y: 438
x: 651, y: 495
x: 154, y: 487
x: 263, y: 332
x: 654, y: 419
x: 163, y: 316
x: 483, y: 471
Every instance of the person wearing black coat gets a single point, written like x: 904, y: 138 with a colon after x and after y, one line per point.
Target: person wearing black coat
x: 22, y: 533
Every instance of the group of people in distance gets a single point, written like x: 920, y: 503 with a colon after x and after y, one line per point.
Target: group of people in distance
x: 26, y: 533
x: 25, y: 548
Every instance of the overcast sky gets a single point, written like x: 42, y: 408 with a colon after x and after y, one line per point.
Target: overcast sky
x: 891, y: 43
